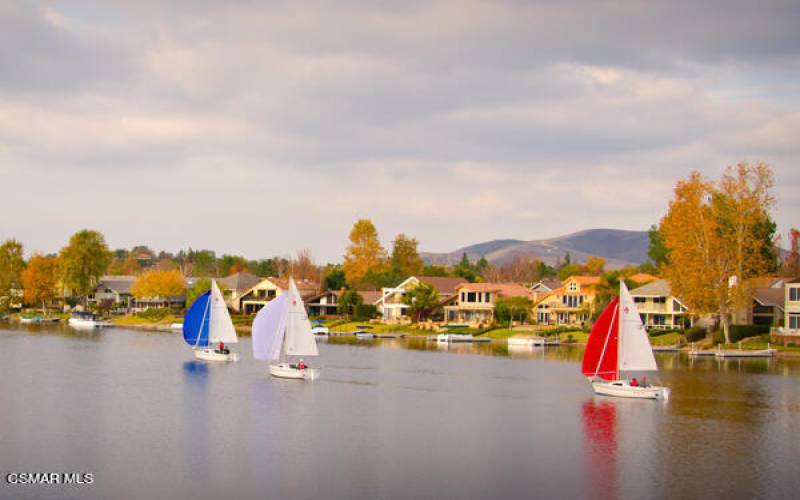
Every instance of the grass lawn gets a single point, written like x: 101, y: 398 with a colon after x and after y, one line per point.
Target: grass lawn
x: 578, y: 336
x: 666, y: 339
x: 137, y: 320
x: 407, y: 329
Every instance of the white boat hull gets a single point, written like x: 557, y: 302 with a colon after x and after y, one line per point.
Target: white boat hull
x: 525, y: 342
x: 86, y: 323
x: 320, y: 330
x: 28, y: 321
x: 623, y: 389
x: 213, y: 355
x: 285, y: 370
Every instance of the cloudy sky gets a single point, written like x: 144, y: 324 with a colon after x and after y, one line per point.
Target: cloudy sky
x: 264, y: 127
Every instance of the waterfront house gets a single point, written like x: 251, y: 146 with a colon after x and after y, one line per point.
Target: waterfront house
x: 323, y: 304
x: 569, y: 304
x: 235, y: 285
x: 541, y: 288
x: 257, y: 296
x: 766, y: 306
x: 391, y: 304
x: 474, y: 303
x: 792, y: 307
x: 658, y: 308
x: 114, y: 291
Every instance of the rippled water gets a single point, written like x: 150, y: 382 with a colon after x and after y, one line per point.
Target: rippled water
x: 388, y: 419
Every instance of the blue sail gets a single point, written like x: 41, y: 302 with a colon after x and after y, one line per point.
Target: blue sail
x: 196, y: 321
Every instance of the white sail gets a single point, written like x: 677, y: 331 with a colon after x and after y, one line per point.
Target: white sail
x: 269, y: 327
x: 635, y: 352
x: 299, y: 337
x: 220, y: 328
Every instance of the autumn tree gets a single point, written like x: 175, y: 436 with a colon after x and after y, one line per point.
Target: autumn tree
x: 405, y: 260
x: 159, y: 284
x: 421, y: 300
x: 12, y: 264
x: 714, y: 234
x: 302, y: 267
x: 83, y: 261
x: 40, y: 280
x: 594, y: 265
x: 365, y: 253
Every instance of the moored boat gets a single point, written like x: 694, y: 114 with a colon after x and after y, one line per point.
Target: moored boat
x: 618, y: 345
x: 281, y: 333
x: 208, y: 324
x: 83, y: 319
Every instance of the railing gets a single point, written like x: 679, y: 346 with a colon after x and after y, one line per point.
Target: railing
x: 780, y: 330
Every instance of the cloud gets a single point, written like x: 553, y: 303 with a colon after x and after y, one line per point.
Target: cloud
x: 263, y: 128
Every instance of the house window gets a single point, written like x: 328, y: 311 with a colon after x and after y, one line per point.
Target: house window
x: 794, y: 294
x: 487, y: 297
x: 573, y: 287
x: 659, y: 300
x: 676, y: 306
x: 463, y: 296
x: 794, y: 322
x: 640, y: 300
x: 472, y: 297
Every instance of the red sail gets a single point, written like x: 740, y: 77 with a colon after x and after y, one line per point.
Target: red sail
x: 600, y: 358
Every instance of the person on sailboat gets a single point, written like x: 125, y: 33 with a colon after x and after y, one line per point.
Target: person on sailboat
x: 301, y: 365
x: 634, y: 382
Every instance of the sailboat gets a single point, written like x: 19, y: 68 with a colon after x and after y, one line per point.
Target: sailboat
x: 208, y: 323
x: 618, y: 343
x: 281, y: 331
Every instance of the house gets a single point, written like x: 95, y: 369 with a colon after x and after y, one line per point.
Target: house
x: 791, y: 322
x: 115, y: 291
x: 766, y: 306
x: 235, y: 285
x: 257, y: 296
x: 391, y: 304
x: 543, y: 287
x: 323, y: 304
x: 658, y: 308
x: 474, y: 303
x: 570, y: 304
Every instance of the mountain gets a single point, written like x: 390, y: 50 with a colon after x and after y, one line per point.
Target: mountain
x: 619, y: 247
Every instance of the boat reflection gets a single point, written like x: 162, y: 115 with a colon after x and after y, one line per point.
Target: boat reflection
x: 600, y: 448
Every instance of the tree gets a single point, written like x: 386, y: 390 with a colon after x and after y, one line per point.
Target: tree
x: 608, y: 288
x: 348, y: 302
x: 230, y: 264
x: 791, y: 266
x: 595, y: 265
x: 83, y: 261
x: 422, y: 300
x: 12, y: 264
x: 482, y: 265
x: 432, y: 270
x: 333, y: 277
x: 302, y: 267
x: 465, y: 270
x: 159, y: 284
x: 40, y: 280
x: 200, y: 287
x: 364, y: 253
x: 405, y: 260
x: 510, y: 309
x: 568, y: 270
x: 657, y: 251
x: 714, y: 233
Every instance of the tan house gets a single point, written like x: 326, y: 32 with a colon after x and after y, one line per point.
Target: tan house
x: 658, y: 308
x: 235, y: 285
x: 791, y: 324
x: 571, y: 304
x: 474, y: 303
x: 391, y: 304
x: 257, y: 296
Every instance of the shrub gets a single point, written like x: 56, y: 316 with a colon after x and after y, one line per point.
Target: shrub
x: 695, y: 334
x: 739, y: 332
x: 155, y: 313
x: 364, y: 312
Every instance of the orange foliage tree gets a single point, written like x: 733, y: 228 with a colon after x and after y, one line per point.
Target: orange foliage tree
x: 713, y: 233
x: 40, y: 280
x: 365, y: 252
x: 159, y: 284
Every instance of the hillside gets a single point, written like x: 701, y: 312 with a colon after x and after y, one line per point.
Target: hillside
x: 619, y: 248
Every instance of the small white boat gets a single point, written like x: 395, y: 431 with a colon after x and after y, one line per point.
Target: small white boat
x: 526, y: 341
x: 619, y: 343
x: 207, y: 327
x: 320, y: 330
x: 28, y: 320
x: 176, y: 326
x: 81, y: 319
x: 451, y: 338
x: 362, y: 334
x: 281, y: 330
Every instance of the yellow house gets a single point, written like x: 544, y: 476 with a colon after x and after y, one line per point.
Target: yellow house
x: 571, y: 304
x: 251, y: 301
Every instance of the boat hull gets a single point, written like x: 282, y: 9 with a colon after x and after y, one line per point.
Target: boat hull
x: 285, y: 370
x: 213, y: 355
x: 622, y: 389
x: 86, y: 323
x: 526, y: 342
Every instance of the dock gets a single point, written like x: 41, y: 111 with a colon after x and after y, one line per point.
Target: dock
x: 666, y: 348
x: 745, y: 353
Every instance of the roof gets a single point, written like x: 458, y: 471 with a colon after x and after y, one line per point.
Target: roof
x: 770, y: 297
x: 584, y: 280
x: 549, y: 283
x: 240, y: 282
x: 502, y: 289
x: 315, y: 298
x: 657, y: 288
x: 119, y: 284
x: 370, y: 296
x: 642, y: 278
x: 442, y: 284
x: 302, y: 285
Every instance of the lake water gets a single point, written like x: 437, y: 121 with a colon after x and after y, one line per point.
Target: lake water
x: 388, y: 419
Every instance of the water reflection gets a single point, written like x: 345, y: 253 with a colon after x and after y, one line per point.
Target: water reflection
x: 195, y: 419
x: 600, y: 448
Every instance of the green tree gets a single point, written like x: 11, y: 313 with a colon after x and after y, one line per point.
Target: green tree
x: 83, y: 261
x: 405, y: 260
x: 200, y: 287
x: 465, y: 270
x: 657, y: 251
x: 421, y: 300
x: 348, y: 302
x: 482, y: 265
x: 229, y: 264
x: 333, y: 277
x: 432, y: 270
x: 12, y: 264
x: 510, y: 309
x: 568, y: 270
x: 204, y: 263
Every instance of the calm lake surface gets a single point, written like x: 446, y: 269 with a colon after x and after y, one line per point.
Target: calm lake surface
x: 388, y: 419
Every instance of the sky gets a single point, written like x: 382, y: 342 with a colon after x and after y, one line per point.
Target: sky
x: 262, y: 128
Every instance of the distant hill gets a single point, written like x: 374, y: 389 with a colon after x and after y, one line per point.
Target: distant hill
x: 619, y: 247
